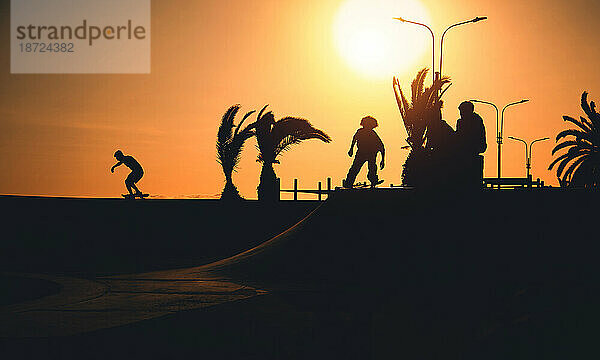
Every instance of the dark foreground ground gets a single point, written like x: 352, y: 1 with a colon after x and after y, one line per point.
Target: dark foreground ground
x: 94, y: 237
x: 371, y: 274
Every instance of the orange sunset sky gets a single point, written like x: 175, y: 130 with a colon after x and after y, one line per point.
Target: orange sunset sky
x: 59, y: 132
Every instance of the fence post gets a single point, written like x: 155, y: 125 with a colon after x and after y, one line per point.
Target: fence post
x: 319, y: 191
x: 295, y: 189
x: 328, y: 187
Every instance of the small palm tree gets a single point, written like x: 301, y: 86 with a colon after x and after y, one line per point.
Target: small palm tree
x: 582, y: 159
x: 424, y: 107
x: 275, y: 137
x: 229, y: 148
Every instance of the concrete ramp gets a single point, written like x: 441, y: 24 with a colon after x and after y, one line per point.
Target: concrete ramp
x: 452, y: 245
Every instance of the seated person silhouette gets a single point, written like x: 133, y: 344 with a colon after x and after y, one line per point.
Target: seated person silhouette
x: 369, y: 144
x: 440, y: 136
x: 470, y: 138
x: 441, y: 144
x: 136, y: 171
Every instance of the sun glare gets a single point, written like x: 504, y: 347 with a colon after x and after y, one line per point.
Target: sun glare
x: 374, y: 44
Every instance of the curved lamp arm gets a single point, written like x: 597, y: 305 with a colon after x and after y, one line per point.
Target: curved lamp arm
x: 502, y: 117
x: 526, y: 150
x: 531, y: 146
x: 432, y: 37
x: 495, y: 107
x: 479, y: 18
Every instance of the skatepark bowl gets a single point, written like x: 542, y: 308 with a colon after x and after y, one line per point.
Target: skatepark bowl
x: 370, y: 273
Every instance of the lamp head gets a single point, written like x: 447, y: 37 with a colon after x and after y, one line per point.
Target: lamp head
x: 523, y: 101
x: 479, y: 18
x: 399, y: 18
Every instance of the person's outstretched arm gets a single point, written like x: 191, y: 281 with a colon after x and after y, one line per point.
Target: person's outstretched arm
x: 351, y: 151
x: 112, y: 169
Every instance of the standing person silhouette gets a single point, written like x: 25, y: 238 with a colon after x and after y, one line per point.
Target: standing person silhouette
x: 136, y: 171
x: 470, y: 130
x: 369, y: 144
x: 471, y: 142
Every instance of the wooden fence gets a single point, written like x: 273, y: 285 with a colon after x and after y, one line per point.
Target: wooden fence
x: 319, y: 191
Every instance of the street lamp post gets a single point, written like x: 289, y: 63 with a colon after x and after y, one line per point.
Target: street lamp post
x: 499, y: 128
x: 528, y: 153
x: 479, y: 18
x: 432, y: 39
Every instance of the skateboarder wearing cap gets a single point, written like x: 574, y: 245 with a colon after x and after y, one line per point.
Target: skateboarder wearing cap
x: 369, y: 144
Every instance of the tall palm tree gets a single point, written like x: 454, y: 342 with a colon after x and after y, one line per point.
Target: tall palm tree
x: 229, y: 148
x: 582, y: 159
x: 274, y: 138
x: 425, y: 106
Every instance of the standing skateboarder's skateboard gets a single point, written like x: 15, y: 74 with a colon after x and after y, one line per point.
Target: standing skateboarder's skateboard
x: 134, y: 196
x: 364, y: 185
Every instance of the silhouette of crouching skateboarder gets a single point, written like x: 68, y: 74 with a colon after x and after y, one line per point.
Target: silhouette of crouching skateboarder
x: 136, y: 171
x: 369, y: 144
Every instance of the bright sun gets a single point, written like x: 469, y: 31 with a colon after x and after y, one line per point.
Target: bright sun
x: 373, y: 43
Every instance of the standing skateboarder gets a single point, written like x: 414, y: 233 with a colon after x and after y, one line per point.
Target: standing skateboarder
x: 136, y: 171
x: 369, y: 144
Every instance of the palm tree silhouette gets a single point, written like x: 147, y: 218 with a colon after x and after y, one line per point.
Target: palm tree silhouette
x: 582, y: 159
x: 275, y: 137
x: 425, y: 105
x: 229, y: 148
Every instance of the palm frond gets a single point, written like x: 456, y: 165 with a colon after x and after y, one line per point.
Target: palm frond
x: 417, y: 85
x: 587, y: 123
x: 587, y: 174
x: 566, y: 161
x: 443, y: 91
x: 560, y: 158
x: 400, y: 99
x: 579, y: 124
x: 594, y: 116
x: 584, y: 104
x: 285, y: 144
x: 292, y: 130
x: 259, y: 116
x: 224, y: 134
x: 574, y: 165
x: 403, y: 105
x: 237, y: 145
x: 572, y: 132
x: 568, y: 156
x: 578, y: 144
x: 237, y: 129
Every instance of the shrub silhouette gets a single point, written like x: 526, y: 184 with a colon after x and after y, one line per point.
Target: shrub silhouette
x: 229, y: 148
x: 423, y: 110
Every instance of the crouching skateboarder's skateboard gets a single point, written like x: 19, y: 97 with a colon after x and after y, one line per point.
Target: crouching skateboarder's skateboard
x: 134, y: 196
